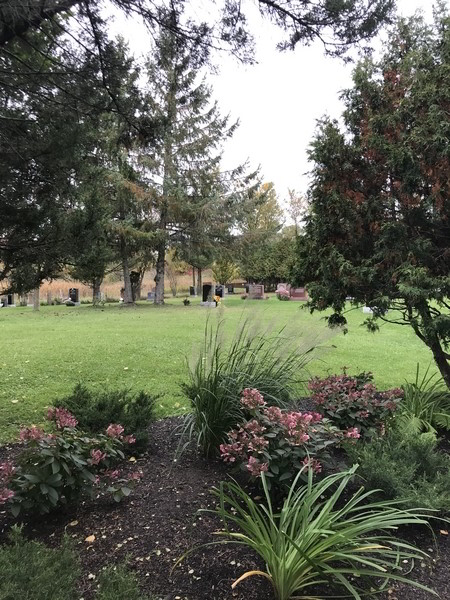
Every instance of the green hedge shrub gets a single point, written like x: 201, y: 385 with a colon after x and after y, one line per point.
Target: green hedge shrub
x: 406, y: 466
x: 95, y: 410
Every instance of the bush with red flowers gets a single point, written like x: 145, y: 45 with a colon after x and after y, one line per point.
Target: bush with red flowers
x: 57, y: 468
x: 278, y: 442
x: 353, y: 402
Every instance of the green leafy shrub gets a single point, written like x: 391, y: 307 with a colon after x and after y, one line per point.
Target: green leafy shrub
x: 118, y: 583
x: 320, y: 536
x: 406, y: 466
x: 278, y: 443
x: 354, y: 402
x: 96, y: 410
x: 269, y: 361
x: 426, y: 404
x: 57, y: 468
x: 30, y: 570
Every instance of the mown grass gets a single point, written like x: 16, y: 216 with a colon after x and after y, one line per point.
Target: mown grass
x: 45, y: 354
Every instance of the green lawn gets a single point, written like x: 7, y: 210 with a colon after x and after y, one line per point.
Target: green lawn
x: 45, y: 354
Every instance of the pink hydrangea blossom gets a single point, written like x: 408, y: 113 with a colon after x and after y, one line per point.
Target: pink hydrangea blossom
x: 114, y: 430
x: 62, y: 417
x: 352, y: 432
x: 251, y: 399
x: 273, y: 413
x: 312, y: 463
x: 7, y: 470
x: 129, y: 439
x: 255, y: 467
x: 5, y: 495
x: 32, y: 433
x: 96, y: 457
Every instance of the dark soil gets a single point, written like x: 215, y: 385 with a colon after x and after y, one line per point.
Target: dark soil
x: 158, y: 524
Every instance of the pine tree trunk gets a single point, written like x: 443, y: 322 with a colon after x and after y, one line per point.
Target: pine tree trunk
x: 193, y: 277
x: 199, y: 282
x: 159, y: 276
x: 128, y: 293
x: 96, y: 294
x: 36, y: 299
x: 432, y: 341
x: 441, y: 361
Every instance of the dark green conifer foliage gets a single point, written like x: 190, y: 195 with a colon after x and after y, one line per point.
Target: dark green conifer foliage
x: 379, y: 223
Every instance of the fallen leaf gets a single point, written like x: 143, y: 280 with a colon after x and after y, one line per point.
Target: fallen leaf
x: 131, y: 459
x: 90, y: 539
x: 73, y: 523
x: 443, y: 532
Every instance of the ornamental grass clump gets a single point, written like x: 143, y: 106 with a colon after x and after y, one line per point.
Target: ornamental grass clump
x: 57, y: 468
x: 268, y: 360
x: 278, y: 442
x: 320, y: 536
x: 425, y: 405
x: 354, y: 402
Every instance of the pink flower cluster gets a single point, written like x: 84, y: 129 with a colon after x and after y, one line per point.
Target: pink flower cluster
x: 5, y: 495
x: 352, y: 432
x: 32, y: 433
x: 256, y: 467
x: 7, y: 470
x: 62, y: 417
x: 272, y: 436
x: 354, y: 401
x: 312, y: 463
x: 114, y: 430
x: 96, y: 457
x: 251, y: 399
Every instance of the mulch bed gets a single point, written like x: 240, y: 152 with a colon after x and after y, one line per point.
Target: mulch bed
x: 158, y: 524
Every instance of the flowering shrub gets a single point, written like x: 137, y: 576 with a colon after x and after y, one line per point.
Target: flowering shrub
x: 283, y: 295
x: 56, y: 468
x: 276, y: 442
x: 353, y: 402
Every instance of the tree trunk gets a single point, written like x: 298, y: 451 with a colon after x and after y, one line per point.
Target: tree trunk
x: 199, y: 282
x: 96, y: 294
x: 159, y: 276
x: 128, y: 293
x: 431, y: 339
x: 441, y: 361
x: 36, y: 300
x: 193, y: 277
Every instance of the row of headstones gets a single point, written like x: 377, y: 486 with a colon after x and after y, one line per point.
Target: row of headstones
x: 9, y: 300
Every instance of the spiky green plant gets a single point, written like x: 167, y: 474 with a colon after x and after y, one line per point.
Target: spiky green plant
x: 426, y: 404
x: 319, y: 537
x: 269, y: 360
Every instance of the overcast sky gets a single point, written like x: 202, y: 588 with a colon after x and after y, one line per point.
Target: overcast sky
x: 278, y: 100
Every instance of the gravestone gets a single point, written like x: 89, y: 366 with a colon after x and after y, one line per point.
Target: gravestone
x: 283, y: 286
x: 298, y: 294
x: 192, y: 291
x: 230, y: 288
x: 7, y: 300
x: 151, y: 295
x: 219, y: 291
x: 256, y: 292
x: 207, y: 292
x: 367, y: 310
x: 74, y: 297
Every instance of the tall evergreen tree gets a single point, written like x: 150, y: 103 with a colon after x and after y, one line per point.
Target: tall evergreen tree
x: 379, y: 226
x: 183, y: 167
